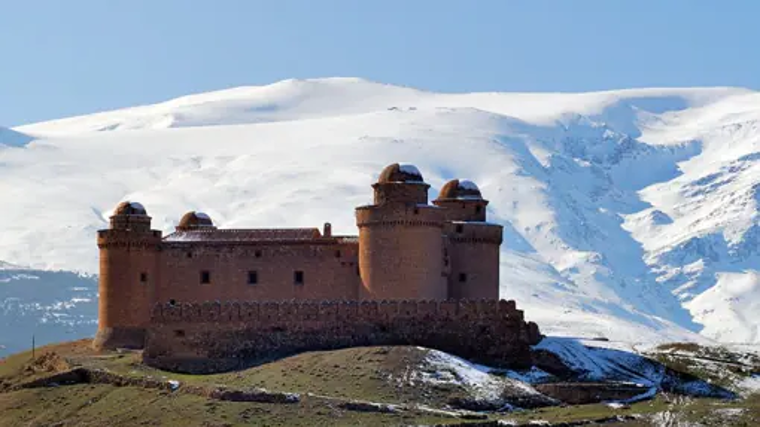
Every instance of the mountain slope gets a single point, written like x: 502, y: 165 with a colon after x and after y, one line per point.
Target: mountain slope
x: 11, y: 138
x: 48, y: 306
x: 627, y: 213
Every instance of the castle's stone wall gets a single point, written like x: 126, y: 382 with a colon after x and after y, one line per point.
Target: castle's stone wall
x: 463, y: 210
x: 213, y: 336
x: 128, y: 270
x: 400, y: 192
x: 473, y: 250
x: 407, y: 250
x: 329, y: 271
x: 401, y: 252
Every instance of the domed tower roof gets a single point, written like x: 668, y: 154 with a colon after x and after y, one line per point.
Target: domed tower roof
x: 400, y: 173
x: 460, y: 190
x: 400, y: 183
x: 130, y: 216
x: 130, y: 208
x: 193, y: 220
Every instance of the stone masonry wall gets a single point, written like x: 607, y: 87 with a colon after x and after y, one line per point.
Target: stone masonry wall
x: 126, y: 257
x: 474, y: 255
x: 330, y: 272
x: 214, y: 337
x: 401, y: 252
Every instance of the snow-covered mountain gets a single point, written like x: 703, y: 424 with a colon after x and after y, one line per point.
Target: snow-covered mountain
x: 46, y: 306
x: 630, y: 214
x: 10, y: 138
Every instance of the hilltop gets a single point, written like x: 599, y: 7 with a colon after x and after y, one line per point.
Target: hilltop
x: 601, y: 383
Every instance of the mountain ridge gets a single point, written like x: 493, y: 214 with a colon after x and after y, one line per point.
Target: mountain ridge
x: 616, y: 205
x: 286, y: 90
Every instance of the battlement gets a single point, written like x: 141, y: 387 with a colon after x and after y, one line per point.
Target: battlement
x: 272, y: 312
x: 215, y: 336
x: 399, y: 215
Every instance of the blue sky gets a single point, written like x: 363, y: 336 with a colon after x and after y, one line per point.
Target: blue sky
x: 63, y: 58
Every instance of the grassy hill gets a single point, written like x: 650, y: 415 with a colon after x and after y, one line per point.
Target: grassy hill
x: 358, y: 386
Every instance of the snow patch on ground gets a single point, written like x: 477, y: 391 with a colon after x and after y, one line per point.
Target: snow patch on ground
x: 448, y: 369
x: 751, y: 384
x: 600, y: 361
x: 531, y: 376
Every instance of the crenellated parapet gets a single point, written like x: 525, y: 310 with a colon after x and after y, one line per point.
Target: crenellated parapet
x: 399, y: 215
x: 127, y: 239
x: 256, y: 313
x: 215, y: 336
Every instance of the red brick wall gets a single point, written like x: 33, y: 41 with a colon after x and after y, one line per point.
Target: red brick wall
x: 463, y: 210
x: 212, y: 337
x: 474, y: 258
x: 124, y: 300
x: 400, y: 192
x: 330, y: 271
x: 401, y: 252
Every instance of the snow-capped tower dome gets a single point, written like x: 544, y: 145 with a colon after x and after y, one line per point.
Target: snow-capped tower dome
x: 460, y: 190
x: 130, y: 208
x: 130, y: 215
x: 195, y: 220
x: 401, y: 183
x: 462, y: 200
x: 398, y: 173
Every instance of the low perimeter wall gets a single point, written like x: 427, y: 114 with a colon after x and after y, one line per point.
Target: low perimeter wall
x: 214, y: 337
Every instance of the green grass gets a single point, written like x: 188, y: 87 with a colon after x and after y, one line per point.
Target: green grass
x: 101, y: 405
x: 356, y: 373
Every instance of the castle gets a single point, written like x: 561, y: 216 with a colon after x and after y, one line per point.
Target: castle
x: 416, y: 274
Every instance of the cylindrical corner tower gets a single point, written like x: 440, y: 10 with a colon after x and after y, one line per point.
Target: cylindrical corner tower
x: 128, y: 274
x: 400, y: 239
x: 473, y: 243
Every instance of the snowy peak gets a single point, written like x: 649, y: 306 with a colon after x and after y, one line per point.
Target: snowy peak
x: 281, y: 101
x: 330, y: 97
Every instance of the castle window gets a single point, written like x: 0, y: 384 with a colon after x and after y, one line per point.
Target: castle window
x: 205, y: 276
x: 462, y: 277
x: 460, y: 228
x: 253, y: 278
x: 189, y: 254
x: 179, y: 333
x: 337, y: 253
x: 143, y: 277
x: 298, y: 277
x: 416, y: 211
x: 172, y: 302
x: 257, y: 254
x: 478, y: 209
